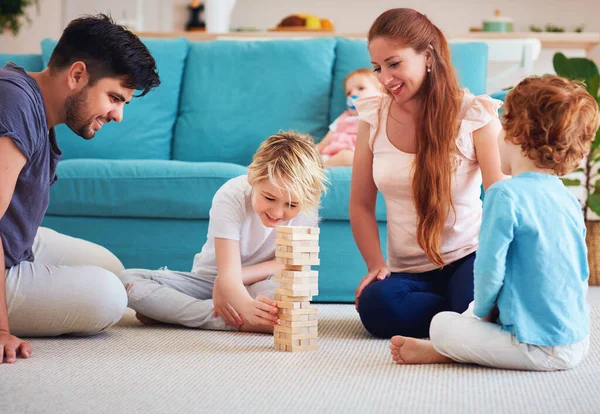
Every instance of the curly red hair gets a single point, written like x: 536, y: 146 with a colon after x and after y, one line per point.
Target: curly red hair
x: 553, y: 119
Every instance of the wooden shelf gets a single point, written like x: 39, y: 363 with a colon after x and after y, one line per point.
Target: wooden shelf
x: 568, y: 40
x: 279, y: 34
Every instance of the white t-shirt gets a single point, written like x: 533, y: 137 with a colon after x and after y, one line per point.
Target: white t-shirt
x: 231, y: 217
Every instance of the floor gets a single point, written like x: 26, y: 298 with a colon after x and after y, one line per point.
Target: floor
x: 134, y: 368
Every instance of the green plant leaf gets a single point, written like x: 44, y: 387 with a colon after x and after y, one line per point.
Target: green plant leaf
x: 594, y: 203
x: 592, y: 86
x: 578, y: 68
x: 571, y: 182
x: 577, y: 170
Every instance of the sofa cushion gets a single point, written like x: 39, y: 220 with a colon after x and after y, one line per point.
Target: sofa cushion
x: 139, y: 188
x: 336, y: 202
x: 468, y: 59
x: 236, y: 94
x: 31, y: 63
x: 146, y: 131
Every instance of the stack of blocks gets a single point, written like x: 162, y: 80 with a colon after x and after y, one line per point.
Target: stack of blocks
x: 297, y: 249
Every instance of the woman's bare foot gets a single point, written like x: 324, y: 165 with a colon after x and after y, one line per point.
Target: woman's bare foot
x: 146, y: 320
x: 415, y: 351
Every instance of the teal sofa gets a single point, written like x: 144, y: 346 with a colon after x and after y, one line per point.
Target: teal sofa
x: 143, y: 188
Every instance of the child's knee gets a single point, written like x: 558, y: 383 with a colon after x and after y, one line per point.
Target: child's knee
x: 441, y: 326
x: 107, y: 305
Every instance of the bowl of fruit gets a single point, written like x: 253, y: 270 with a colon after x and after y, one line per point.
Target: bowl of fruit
x: 304, y: 22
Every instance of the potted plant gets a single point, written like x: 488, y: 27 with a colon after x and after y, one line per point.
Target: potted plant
x: 12, y: 14
x: 586, y: 70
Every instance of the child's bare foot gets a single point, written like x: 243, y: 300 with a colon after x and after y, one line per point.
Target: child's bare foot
x: 415, y: 351
x: 145, y: 320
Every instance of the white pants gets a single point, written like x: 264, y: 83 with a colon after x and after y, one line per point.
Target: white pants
x: 71, y: 287
x: 466, y: 338
x: 181, y: 298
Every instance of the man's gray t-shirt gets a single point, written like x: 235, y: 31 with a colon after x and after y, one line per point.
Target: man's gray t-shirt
x: 23, y: 119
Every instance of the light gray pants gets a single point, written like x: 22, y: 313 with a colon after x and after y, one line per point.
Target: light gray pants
x: 71, y: 287
x: 466, y: 338
x: 181, y: 298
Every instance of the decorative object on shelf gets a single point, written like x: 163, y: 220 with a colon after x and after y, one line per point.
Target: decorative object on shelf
x: 498, y: 23
x: 218, y: 15
x: 304, y: 22
x: 12, y: 13
x: 584, y: 69
x: 196, y: 22
x: 550, y: 28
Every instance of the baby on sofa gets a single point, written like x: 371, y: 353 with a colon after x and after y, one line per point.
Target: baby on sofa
x: 337, y: 147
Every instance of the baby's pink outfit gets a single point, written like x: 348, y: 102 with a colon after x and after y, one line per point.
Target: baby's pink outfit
x: 343, y: 130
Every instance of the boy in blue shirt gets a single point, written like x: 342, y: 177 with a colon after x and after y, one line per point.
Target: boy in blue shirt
x: 531, y: 270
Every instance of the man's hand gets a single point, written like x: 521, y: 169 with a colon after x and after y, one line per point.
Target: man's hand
x: 11, y: 346
x: 262, y: 311
x: 224, y: 309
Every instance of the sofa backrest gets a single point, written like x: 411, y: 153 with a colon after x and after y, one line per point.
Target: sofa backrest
x: 218, y: 100
x: 146, y: 131
x: 238, y: 93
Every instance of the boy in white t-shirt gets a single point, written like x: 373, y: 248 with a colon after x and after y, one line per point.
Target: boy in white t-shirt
x: 230, y: 286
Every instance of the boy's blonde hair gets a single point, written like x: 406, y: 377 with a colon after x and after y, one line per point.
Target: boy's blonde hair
x: 291, y: 162
x: 366, y: 72
x: 553, y: 119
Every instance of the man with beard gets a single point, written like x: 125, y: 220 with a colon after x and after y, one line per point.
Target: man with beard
x: 54, y: 284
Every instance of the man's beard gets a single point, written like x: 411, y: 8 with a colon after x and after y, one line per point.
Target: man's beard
x: 75, y: 106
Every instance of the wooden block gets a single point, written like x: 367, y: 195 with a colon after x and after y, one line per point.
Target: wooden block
x: 298, y: 229
x: 301, y: 292
x: 297, y: 274
x: 295, y: 318
x: 297, y: 330
x: 297, y: 236
x: 291, y: 305
x: 302, y: 249
x: 296, y: 243
x: 294, y: 295
x: 298, y: 311
x: 287, y: 285
x: 298, y: 324
x: 296, y: 255
x: 297, y: 262
x: 296, y: 268
x: 297, y: 335
x: 302, y: 348
x: 285, y: 298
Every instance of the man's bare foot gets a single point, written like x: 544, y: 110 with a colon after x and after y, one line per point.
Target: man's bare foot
x: 415, y: 351
x: 146, y: 320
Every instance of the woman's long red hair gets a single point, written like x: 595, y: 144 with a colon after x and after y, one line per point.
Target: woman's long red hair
x: 436, y: 125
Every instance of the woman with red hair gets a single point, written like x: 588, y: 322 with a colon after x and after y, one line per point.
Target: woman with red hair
x: 427, y: 146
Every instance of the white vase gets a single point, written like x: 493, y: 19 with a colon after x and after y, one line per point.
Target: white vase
x: 217, y: 14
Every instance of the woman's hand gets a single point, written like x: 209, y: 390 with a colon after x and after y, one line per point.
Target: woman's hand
x: 378, y: 273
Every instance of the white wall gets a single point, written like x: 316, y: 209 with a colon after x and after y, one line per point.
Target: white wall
x: 349, y: 16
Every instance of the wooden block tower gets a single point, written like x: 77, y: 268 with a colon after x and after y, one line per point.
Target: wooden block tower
x: 297, y: 249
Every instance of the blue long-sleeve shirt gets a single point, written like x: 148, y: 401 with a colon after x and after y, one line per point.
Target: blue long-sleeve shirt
x: 532, y: 260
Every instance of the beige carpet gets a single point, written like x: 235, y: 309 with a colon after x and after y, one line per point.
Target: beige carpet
x: 134, y: 369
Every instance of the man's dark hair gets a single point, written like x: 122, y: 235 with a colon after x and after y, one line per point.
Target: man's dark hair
x: 108, y: 50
